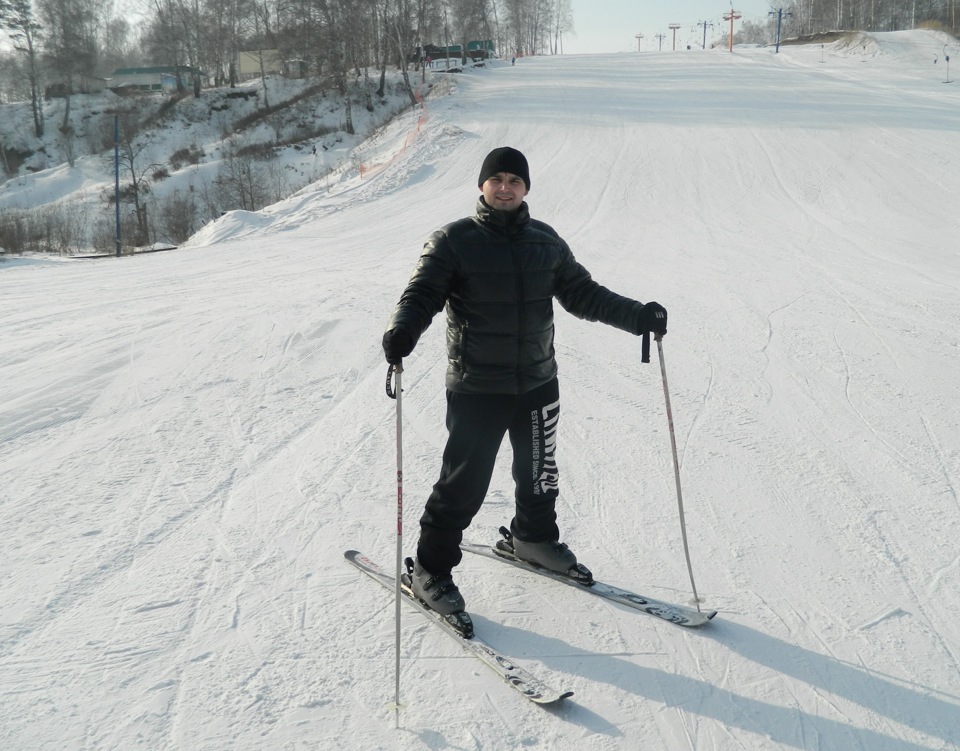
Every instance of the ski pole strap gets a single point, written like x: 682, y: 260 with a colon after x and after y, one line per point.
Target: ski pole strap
x: 398, y: 368
x: 645, y: 347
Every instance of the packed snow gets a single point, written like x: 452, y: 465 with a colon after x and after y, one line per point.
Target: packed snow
x: 190, y: 440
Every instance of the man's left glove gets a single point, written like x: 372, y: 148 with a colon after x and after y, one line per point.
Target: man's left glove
x: 652, y: 317
x: 397, y: 344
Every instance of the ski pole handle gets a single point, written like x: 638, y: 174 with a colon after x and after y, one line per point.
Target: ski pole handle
x: 391, y: 369
x: 645, y: 347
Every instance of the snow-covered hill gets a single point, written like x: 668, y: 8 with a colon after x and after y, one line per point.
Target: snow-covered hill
x: 190, y: 440
x: 186, y: 147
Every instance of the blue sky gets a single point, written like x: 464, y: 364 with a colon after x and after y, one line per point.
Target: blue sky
x: 612, y: 25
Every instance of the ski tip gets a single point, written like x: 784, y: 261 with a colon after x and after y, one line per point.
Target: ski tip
x: 358, y: 559
x: 701, y: 619
x: 548, y: 699
x: 708, y: 614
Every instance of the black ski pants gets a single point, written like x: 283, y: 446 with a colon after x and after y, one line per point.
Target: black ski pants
x: 476, y: 424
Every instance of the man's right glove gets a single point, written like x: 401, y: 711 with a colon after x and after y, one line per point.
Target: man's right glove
x: 397, y: 344
x: 652, y: 317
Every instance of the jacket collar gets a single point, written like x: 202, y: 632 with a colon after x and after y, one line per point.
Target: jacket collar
x: 510, y: 222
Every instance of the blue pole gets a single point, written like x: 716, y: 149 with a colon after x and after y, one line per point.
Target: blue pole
x: 116, y: 175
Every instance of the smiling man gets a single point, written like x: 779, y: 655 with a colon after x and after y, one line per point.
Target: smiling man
x: 497, y: 274
x: 504, y: 190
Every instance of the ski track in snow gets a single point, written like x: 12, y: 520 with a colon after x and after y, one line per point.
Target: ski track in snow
x: 189, y: 440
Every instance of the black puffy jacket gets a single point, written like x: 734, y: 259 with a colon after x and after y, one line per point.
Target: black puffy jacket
x: 497, y: 273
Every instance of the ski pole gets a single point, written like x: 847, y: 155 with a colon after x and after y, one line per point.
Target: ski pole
x: 676, y: 467
x: 395, y: 392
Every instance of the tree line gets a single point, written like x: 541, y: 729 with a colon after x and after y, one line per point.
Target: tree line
x: 61, y: 47
x: 805, y: 18
x: 812, y: 16
x: 68, y: 43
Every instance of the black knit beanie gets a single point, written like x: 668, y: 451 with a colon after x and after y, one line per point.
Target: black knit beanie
x: 505, y: 159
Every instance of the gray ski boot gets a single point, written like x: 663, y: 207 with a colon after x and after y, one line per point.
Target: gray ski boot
x: 552, y: 555
x: 437, y: 591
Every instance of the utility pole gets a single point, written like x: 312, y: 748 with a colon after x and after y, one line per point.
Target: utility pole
x: 639, y: 37
x: 660, y: 38
x: 673, y: 28
x: 731, y: 17
x: 116, y: 176
x: 779, y: 14
x: 705, y: 24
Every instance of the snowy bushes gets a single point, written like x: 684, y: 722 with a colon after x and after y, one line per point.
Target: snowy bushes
x: 189, y: 155
x: 179, y: 217
x: 60, y: 228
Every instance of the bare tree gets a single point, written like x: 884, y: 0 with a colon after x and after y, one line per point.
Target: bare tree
x: 134, y: 163
x: 404, y: 36
x: 562, y: 23
x: 26, y: 32
x: 334, y: 22
x: 179, y: 217
x: 816, y: 16
x: 382, y: 52
x: 221, y: 21
x: 116, y: 47
x: 163, y: 39
x: 469, y: 20
x: 71, y: 50
x: 187, y: 20
x: 240, y: 183
x: 261, y: 25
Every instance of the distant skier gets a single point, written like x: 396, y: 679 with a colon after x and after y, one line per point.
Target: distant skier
x: 497, y: 273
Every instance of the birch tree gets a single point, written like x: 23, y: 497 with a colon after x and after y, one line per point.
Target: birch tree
x: 71, y: 51
x: 17, y: 17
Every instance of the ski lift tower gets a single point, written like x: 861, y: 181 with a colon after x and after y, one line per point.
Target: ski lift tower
x: 731, y: 17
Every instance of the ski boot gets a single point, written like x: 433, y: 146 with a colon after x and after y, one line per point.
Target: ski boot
x: 439, y: 593
x: 552, y: 555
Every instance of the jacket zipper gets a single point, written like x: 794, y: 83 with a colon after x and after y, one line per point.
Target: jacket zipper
x: 463, y: 350
x: 520, y: 296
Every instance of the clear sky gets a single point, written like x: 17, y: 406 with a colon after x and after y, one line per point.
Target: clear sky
x: 613, y: 25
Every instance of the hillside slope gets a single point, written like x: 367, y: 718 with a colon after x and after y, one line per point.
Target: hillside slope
x: 190, y: 440
x: 231, y: 148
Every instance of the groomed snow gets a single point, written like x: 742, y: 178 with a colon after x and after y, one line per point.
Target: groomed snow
x: 189, y: 440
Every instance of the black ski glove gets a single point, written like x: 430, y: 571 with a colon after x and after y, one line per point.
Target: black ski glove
x: 652, y: 317
x: 397, y: 344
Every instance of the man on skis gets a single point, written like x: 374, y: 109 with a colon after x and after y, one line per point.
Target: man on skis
x: 497, y: 273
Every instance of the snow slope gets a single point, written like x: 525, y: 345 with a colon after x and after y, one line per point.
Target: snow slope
x: 190, y: 440
x: 211, y: 128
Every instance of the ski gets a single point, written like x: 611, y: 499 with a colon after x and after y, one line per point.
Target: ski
x: 515, y: 676
x: 678, y: 614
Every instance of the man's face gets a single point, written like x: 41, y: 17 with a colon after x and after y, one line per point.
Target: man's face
x: 504, y: 191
